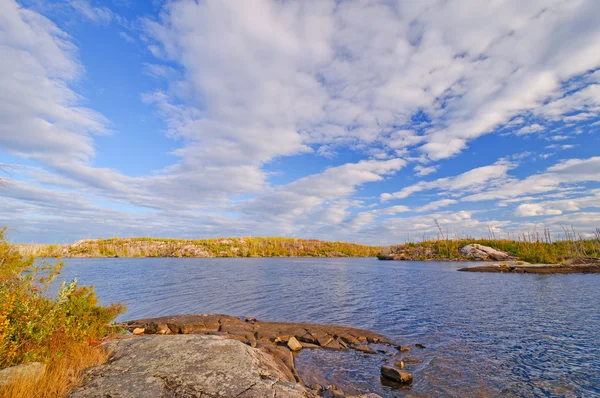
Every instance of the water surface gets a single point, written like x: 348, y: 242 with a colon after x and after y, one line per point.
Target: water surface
x: 486, y: 334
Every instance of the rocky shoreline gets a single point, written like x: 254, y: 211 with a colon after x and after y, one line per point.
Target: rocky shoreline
x: 213, y: 355
x: 575, y: 266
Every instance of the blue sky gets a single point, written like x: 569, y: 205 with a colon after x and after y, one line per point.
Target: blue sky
x: 351, y: 120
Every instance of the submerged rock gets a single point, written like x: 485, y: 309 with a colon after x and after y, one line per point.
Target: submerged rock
x: 188, y: 366
x: 31, y: 370
x: 364, y: 348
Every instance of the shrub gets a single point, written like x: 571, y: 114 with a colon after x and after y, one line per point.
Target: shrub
x: 37, y: 327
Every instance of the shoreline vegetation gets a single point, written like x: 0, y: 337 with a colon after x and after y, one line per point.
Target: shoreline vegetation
x: 201, y: 248
x: 533, y: 248
x: 46, y: 342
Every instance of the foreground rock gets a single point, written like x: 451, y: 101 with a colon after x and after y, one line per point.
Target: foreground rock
x: 157, y: 359
x: 188, y: 366
x: 571, y: 266
x: 32, y: 370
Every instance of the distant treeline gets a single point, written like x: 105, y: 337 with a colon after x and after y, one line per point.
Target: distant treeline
x: 533, y: 248
x: 219, y: 247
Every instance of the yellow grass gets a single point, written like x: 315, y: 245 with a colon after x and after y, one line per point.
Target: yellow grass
x: 62, y: 374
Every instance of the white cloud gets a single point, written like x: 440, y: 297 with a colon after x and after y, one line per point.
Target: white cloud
x: 245, y: 84
x: 472, y: 180
x: 534, y: 209
x: 101, y: 15
x: 438, y: 204
x: 423, y: 171
x: 564, y: 173
x: 530, y: 129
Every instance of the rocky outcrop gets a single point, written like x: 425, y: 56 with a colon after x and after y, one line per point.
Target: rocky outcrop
x: 571, y: 266
x: 188, y: 366
x: 252, y: 330
x: 213, y: 355
x: 31, y: 370
x: 480, y: 252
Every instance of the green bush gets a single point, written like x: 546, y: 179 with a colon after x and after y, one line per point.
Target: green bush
x: 35, y: 327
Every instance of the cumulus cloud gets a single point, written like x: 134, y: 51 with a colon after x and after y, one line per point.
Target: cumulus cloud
x: 241, y: 86
x: 423, y: 171
x: 564, y: 173
x: 438, y: 204
x: 475, y: 179
x: 534, y: 209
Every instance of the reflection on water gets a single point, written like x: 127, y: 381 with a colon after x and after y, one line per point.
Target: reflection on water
x: 486, y: 334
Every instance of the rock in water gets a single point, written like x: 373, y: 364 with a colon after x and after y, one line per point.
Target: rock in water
x: 188, y: 366
x: 294, y: 344
x: 364, y: 348
x: 395, y: 374
x: 481, y: 252
x: 31, y: 370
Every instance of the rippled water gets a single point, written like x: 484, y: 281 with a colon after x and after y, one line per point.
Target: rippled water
x: 486, y: 334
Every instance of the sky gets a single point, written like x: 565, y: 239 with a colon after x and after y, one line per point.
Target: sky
x: 352, y: 120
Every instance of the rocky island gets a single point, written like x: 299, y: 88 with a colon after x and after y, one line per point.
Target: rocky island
x: 497, y: 260
x: 213, y: 355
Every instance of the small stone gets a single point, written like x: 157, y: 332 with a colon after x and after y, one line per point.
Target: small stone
x: 395, y: 374
x: 162, y: 328
x: 400, y: 364
x: 31, y: 370
x: 316, y: 387
x: 403, y: 348
x: 364, y: 348
x: 294, y: 344
x: 333, y: 393
x: 250, y: 319
x: 139, y: 331
x: 412, y: 360
x: 421, y: 346
x: 335, y: 345
x: 324, y: 340
x: 282, y: 339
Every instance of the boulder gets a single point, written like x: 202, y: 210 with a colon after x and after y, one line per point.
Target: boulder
x: 481, y: 252
x: 394, y: 374
x: 294, y: 344
x: 31, y: 370
x: 139, y: 330
x: 188, y: 366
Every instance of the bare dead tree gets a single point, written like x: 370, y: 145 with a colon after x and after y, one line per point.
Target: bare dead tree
x: 4, y: 169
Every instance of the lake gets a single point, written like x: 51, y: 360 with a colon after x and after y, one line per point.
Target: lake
x: 485, y: 334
